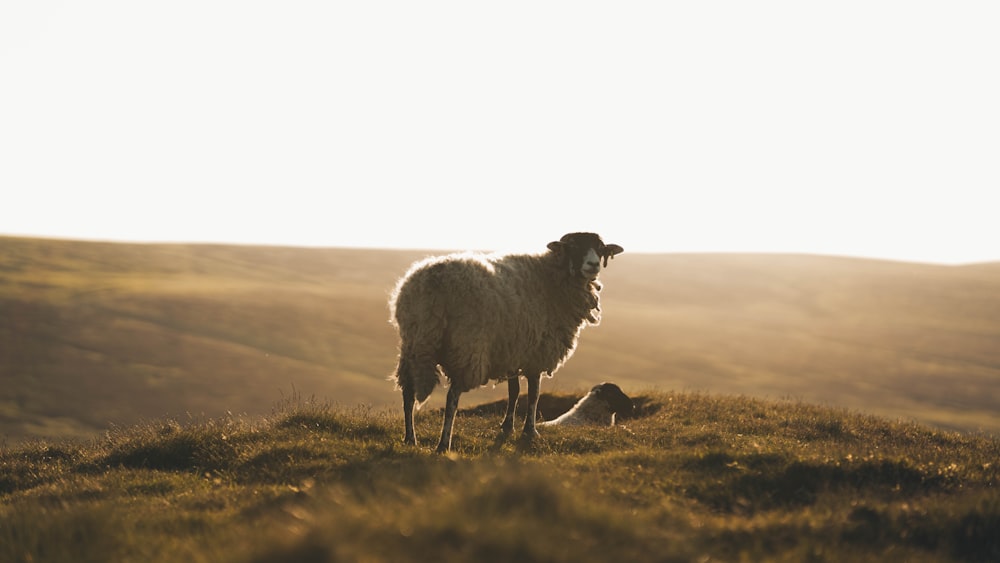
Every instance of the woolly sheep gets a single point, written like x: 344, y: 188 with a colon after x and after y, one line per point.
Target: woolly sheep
x: 478, y: 318
x: 599, y: 406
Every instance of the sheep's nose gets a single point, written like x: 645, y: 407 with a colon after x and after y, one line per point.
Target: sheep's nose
x: 594, y: 263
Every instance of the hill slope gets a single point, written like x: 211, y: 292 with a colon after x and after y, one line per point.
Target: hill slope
x: 98, y: 333
x: 691, y: 477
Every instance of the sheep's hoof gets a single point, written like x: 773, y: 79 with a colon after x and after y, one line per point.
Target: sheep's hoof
x: 506, y: 431
x: 441, y: 449
x: 410, y: 440
x: 527, y: 441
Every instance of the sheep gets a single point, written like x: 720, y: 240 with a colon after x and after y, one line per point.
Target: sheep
x: 477, y: 318
x: 599, y: 406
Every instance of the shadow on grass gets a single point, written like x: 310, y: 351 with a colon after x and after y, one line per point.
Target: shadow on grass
x: 769, y: 481
x: 195, y: 449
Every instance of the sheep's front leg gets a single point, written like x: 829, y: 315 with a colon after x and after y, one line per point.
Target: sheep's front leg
x: 534, y: 381
x: 513, y: 390
x: 450, y: 408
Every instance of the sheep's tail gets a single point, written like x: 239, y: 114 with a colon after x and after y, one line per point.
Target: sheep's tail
x: 416, y: 377
x: 417, y: 310
x: 417, y: 372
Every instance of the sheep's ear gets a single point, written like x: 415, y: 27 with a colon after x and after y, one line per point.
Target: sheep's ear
x: 609, y: 252
x: 556, y: 246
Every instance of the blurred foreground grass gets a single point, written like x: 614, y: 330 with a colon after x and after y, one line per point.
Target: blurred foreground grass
x: 691, y: 477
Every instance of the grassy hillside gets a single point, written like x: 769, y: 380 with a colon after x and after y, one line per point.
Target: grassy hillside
x: 93, y: 334
x: 896, y: 339
x: 692, y: 477
x: 96, y: 333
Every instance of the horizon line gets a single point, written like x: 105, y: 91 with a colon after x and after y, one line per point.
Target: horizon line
x: 443, y: 249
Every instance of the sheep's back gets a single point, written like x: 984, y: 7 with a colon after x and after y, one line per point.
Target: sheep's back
x: 446, y: 290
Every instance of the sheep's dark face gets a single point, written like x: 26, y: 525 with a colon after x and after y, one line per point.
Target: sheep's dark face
x: 616, y: 399
x: 584, y: 253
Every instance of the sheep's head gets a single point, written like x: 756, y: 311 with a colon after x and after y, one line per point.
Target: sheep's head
x: 617, y: 400
x: 584, y: 253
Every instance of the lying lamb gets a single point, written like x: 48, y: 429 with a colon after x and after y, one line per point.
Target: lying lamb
x: 478, y: 318
x: 597, y: 407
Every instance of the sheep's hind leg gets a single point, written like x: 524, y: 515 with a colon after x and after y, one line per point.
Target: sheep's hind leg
x: 408, y: 400
x: 513, y: 390
x: 534, y: 381
x: 450, y: 408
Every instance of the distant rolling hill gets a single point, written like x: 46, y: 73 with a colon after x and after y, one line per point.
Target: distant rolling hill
x: 98, y: 334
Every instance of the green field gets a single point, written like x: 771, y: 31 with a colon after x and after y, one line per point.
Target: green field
x: 94, y: 335
x: 692, y: 477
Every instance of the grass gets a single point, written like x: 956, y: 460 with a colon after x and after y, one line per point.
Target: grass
x: 692, y: 477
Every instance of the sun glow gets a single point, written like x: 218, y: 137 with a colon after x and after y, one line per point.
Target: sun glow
x: 860, y: 129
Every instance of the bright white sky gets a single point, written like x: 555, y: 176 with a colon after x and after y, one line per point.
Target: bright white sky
x: 868, y: 128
